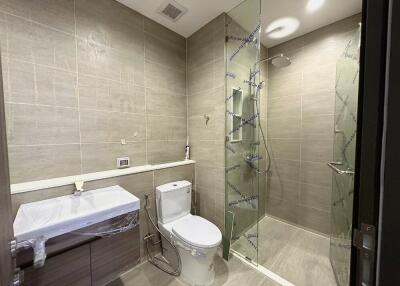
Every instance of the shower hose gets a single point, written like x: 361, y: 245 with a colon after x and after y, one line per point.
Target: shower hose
x: 161, y: 264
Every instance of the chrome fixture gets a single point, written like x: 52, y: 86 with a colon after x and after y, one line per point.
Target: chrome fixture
x: 78, y: 188
x: 279, y: 61
x: 333, y: 165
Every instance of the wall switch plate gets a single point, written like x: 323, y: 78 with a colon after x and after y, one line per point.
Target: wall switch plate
x: 123, y: 162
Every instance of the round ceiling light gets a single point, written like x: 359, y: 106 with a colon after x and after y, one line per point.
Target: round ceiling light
x: 314, y: 5
x: 282, y: 27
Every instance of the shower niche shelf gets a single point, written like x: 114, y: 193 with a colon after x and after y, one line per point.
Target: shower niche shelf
x: 236, y: 115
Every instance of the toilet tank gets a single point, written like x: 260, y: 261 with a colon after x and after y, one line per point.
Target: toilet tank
x: 173, y: 200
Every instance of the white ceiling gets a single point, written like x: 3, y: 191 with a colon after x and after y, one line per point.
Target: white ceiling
x: 200, y: 12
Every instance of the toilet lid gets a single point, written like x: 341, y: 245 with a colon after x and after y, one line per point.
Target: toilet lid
x: 198, y: 231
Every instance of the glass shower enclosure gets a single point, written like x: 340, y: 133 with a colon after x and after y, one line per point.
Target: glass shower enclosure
x: 243, y: 158
x: 343, y: 165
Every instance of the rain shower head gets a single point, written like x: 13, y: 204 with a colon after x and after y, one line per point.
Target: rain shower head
x: 279, y: 61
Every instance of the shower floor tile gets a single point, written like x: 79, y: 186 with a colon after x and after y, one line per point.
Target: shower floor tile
x: 232, y: 273
x: 295, y: 254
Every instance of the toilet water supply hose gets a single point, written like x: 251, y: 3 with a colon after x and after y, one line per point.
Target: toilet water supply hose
x: 156, y: 261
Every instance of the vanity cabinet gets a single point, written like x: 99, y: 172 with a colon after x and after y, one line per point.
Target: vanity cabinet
x: 76, y: 260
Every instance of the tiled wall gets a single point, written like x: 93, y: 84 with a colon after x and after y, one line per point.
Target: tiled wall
x: 79, y: 76
x: 138, y: 184
x: 206, y: 97
x: 300, y: 112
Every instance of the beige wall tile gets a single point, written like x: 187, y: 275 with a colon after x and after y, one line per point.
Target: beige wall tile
x: 165, y: 151
x: 165, y: 103
x: 165, y: 52
x: 179, y: 173
x: 92, y: 162
x: 30, y: 124
x: 166, y: 128
x: 315, y: 196
x: 316, y: 173
x: 317, y: 127
x: 284, y: 127
x: 288, y: 149
x: 101, y: 70
x: 163, y: 79
x: 317, y: 150
x: 287, y: 106
x: 31, y: 163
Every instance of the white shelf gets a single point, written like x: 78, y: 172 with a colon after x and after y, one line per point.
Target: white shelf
x: 63, y: 181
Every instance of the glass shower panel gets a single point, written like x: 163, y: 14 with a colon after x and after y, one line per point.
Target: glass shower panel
x: 242, y: 130
x: 346, y: 100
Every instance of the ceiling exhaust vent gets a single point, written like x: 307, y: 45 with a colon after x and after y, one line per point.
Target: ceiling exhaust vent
x: 172, y: 10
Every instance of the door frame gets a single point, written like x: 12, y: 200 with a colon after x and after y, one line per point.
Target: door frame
x: 6, y: 229
x: 388, y: 252
x: 370, y: 129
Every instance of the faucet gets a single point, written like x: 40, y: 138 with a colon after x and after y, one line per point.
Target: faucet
x: 78, y: 188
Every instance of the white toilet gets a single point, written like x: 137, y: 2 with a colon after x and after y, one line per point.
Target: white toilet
x: 197, y: 239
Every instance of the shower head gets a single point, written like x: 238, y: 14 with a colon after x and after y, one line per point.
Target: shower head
x: 279, y: 61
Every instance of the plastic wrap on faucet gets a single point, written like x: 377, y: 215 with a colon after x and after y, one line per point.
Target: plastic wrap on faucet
x: 113, y: 226
x: 39, y: 249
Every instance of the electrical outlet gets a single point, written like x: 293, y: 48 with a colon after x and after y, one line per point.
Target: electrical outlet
x: 123, y: 162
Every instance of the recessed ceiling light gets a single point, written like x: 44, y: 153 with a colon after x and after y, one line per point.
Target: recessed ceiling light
x: 282, y: 27
x: 314, y: 5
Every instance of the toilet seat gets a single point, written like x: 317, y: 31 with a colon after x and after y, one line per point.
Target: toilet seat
x: 197, y: 231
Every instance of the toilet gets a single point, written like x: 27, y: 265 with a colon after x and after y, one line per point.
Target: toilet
x: 196, y: 238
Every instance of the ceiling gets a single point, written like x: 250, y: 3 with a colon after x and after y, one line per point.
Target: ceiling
x: 200, y: 12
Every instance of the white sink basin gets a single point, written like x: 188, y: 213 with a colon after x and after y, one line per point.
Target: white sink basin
x: 53, y: 217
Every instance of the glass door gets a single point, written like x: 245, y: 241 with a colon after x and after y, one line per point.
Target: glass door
x: 346, y: 101
x: 242, y: 158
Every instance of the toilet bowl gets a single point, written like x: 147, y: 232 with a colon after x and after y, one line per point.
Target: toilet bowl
x: 196, y: 238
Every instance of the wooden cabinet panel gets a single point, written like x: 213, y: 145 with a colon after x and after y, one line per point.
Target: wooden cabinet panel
x: 111, y: 256
x: 71, y: 268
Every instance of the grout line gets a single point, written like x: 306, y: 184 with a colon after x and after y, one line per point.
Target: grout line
x: 145, y: 94
x: 77, y: 90
x: 299, y: 227
x: 268, y: 273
